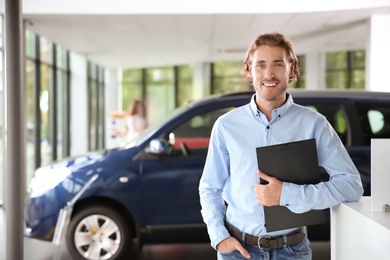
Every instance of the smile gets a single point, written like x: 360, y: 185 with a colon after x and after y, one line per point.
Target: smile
x: 270, y: 84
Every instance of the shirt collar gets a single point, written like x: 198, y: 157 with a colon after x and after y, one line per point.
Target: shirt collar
x: 277, y: 112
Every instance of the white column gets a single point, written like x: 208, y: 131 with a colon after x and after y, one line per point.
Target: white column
x: 378, y: 53
x: 113, y: 98
x: 380, y: 178
x: 79, y: 104
x: 201, y: 80
x: 113, y: 102
x: 315, y: 70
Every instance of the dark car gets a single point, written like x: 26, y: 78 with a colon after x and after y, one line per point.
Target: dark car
x: 107, y: 204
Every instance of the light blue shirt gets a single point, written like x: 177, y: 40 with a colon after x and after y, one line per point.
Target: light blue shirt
x: 231, y: 167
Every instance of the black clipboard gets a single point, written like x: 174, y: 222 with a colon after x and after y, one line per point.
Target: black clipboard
x: 294, y: 162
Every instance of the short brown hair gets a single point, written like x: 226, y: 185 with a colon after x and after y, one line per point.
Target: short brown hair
x: 277, y: 40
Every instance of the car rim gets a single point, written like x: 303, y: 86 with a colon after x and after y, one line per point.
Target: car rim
x: 97, y: 237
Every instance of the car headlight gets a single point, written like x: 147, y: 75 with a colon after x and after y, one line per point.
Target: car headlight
x: 46, y: 179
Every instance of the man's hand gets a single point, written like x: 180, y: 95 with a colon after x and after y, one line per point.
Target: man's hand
x: 268, y: 194
x: 229, y: 244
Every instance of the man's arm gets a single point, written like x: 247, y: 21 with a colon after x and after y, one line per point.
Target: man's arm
x: 215, y: 174
x: 344, y: 179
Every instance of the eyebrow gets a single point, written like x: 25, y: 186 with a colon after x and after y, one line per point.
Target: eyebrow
x: 274, y: 61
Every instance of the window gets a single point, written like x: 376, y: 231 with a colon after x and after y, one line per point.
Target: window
x: 46, y: 119
x: 47, y: 102
x: 31, y: 88
x: 62, y: 102
x: 131, y: 86
x: 185, y: 85
x: 195, y: 133
x: 375, y: 120
x: 345, y: 70
x: 160, y: 92
x: 228, y: 77
x: 30, y: 45
x: 169, y: 87
x: 95, y: 107
x: 45, y: 50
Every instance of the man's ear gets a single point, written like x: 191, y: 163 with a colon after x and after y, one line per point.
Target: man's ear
x: 292, y: 68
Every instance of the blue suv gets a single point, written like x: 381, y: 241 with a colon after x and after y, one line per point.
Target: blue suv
x: 107, y: 204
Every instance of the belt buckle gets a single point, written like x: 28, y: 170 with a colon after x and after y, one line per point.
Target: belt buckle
x: 259, y: 242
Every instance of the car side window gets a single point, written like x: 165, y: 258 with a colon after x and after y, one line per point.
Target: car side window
x: 195, y: 133
x: 334, y: 113
x: 374, y: 120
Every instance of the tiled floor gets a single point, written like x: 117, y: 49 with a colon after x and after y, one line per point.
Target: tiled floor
x: 38, y: 250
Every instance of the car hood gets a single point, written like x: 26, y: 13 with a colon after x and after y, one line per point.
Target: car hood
x: 78, y: 162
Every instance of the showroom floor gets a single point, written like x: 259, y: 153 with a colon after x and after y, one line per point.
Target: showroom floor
x: 38, y: 250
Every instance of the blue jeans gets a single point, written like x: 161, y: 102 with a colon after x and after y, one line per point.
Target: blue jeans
x: 301, y: 251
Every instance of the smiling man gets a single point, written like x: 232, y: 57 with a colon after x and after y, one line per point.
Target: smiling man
x: 231, y: 196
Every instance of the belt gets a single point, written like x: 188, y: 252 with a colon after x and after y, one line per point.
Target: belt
x: 267, y: 242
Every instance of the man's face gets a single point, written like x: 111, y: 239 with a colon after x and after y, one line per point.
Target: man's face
x: 270, y: 72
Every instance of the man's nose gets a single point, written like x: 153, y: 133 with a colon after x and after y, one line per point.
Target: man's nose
x: 268, y: 74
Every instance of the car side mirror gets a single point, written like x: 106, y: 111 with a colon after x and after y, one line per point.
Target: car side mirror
x: 159, y: 147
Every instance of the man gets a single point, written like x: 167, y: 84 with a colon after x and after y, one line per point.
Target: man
x: 231, y: 196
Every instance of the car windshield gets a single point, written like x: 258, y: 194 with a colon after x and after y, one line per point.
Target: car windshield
x: 154, y: 126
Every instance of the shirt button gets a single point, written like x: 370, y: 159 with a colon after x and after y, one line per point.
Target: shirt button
x: 287, y: 205
x: 279, y: 115
x: 267, y: 126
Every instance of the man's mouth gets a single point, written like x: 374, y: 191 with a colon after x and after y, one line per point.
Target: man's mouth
x: 270, y: 84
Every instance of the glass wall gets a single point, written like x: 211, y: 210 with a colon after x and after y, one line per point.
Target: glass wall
x: 161, y: 89
x: 345, y: 70
x: 132, y: 85
x: 171, y: 87
x: 185, y: 89
x: 164, y: 88
x: 228, y: 77
x: 45, y: 94
x: 160, y: 92
x: 62, y: 105
x: 96, y: 132
x: 47, y: 102
x: 30, y: 103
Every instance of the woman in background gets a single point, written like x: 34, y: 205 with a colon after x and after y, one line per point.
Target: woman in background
x: 135, y: 119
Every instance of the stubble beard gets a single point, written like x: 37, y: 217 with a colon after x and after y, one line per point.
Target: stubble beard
x: 270, y: 97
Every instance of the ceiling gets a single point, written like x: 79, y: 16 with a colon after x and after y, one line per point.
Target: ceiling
x: 141, y: 40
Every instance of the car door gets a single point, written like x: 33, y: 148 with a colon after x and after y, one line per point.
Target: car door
x: 170, y: 183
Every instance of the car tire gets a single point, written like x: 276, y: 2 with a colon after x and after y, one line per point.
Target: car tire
x: 99, y: 232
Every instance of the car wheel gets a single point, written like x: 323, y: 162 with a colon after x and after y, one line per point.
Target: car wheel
x: 100, y: 233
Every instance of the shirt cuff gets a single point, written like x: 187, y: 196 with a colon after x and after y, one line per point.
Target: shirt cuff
x: 290, y: 194
x: 217, y: 234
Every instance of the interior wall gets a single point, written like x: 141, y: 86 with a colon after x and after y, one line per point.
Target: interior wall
x: 79, y: 97
x: 378, y: 54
